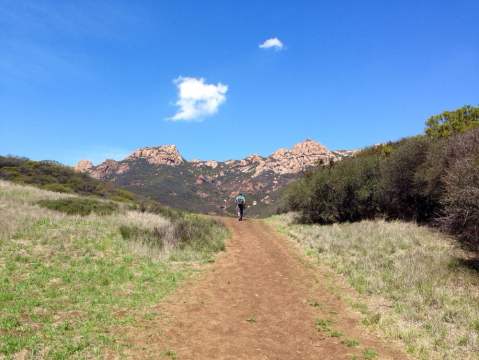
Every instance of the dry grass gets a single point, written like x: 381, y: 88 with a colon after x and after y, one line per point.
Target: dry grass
x: 418, y: 287
x: 66, y: 280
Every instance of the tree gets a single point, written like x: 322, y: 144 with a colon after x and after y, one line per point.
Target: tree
x: 453, y: 122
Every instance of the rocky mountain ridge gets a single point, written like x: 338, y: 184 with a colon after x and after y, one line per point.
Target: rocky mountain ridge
x: 283, y: 161
x: 162, y: 173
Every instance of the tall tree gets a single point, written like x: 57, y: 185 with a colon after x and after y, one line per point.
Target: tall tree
x: 453, y: 122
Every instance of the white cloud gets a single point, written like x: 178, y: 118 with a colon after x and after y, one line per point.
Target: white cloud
x: 197, y: 99
x: 274, y: 43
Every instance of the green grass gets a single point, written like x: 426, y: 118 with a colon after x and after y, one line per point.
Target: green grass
x: 414, y: 284
x: 80, y: 206
x: 170, y: 354
x: 66, y: 282
x: 323, y: 324
x: 350, y: 342
x: 369, y: 354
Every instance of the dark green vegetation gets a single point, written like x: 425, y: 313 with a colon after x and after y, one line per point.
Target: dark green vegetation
x: 80, y: 206
x: 432, y: 178
x: 50, y: 175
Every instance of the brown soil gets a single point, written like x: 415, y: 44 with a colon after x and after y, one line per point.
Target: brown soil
x: 259, y: 300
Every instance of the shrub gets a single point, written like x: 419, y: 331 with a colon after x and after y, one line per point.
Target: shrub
x: 199, y: 233
x: 156, y: 208
x: 80, y: 206
x: 345, y: 191
x: 57, y: 188
x: 153, y: 238
x: 461, y: 195
x: 401, y: 188
x: 192, y: 232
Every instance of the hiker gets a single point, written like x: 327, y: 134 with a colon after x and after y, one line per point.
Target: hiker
x: 240, y: 204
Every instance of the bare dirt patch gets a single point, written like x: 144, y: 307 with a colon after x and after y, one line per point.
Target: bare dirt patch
x: 259, y: 300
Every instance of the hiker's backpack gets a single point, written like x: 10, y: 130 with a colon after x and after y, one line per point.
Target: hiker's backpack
x: 240, y: 200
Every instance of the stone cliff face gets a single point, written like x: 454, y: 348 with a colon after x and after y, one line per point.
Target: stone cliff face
x: 162, y: 173
x: 283, y: 161
x: 84, y: 166
x: 161, y: 155
x: 299, y: 158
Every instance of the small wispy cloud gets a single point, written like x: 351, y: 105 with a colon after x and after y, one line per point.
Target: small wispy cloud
x: 272, y: 43
x: 197, y: 99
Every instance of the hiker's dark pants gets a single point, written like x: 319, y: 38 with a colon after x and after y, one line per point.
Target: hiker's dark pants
x: 241, y: 211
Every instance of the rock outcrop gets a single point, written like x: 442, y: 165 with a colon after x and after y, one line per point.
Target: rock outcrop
x: 283, y: 161
x: 161, y: 155
x: 109, y: 168
x: 84, y: 166
x: 299, y: 158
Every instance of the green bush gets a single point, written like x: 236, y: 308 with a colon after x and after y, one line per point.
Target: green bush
x: 402, y: 194
x: 430, y: 179
x: 189, y: 232
x: 80, y: 206
x: 153, y: 238
x: 57, y: 188
x: 199, y: 233
x: 345, y: 191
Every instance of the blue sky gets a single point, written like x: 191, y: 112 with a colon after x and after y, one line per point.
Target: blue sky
x: 97, y: 79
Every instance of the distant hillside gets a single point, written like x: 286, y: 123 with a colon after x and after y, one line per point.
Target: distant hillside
x: 50, y: 175
x: 210, y: 186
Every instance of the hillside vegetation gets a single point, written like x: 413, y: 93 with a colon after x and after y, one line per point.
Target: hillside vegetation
x: 413, y: 283
x: 50, y: 175
x: 73, y: 268
x: 431, y: 178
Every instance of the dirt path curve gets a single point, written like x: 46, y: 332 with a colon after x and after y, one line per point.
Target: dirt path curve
x: 259, y: 300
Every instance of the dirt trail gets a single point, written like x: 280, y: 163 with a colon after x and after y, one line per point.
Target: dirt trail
x: 255, y: 302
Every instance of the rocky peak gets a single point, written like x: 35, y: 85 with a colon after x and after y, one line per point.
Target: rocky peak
x: 291, y: 161
x: 309, y: 147
x: 159, y: 155
x: 279, y: 154
x: 255, y: 158
x: 108, y: 168
x: 83, y: 166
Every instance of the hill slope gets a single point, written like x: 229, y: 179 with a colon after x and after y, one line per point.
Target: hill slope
x: 209, y: 186
x: 66, y: 280
x: 50, y: 175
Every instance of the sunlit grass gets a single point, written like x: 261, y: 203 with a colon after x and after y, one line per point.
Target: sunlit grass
x: 417, y: 285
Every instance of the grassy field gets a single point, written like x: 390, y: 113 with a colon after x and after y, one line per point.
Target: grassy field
x: 67, y: 280
x: 414, y: 285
